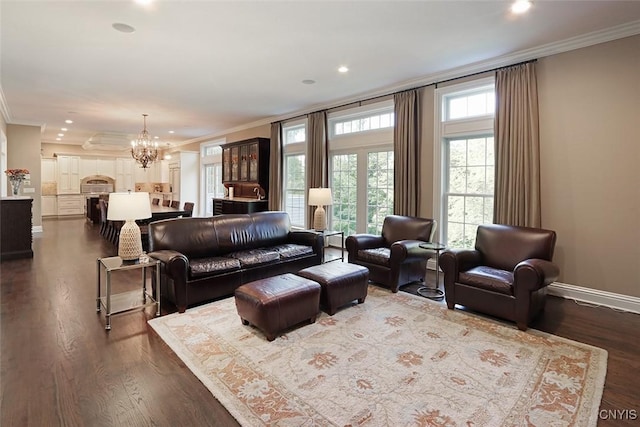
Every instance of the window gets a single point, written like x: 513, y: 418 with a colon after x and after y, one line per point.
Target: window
x: 211, y: 176
x: 364, y: 123
x: 294, y: 191
x: 361, y: 168
x: 465, y: 161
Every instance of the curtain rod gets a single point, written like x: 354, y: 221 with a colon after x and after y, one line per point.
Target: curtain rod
x: 405, y: 90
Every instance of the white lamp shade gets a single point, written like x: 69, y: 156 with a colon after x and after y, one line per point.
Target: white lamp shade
x: 320, y: 197
x: 126, y: 206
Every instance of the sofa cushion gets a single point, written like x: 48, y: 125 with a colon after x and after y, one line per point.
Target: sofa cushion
x: 254, y: 257
x: 379, y: 256
x: 291, y: 250
x: 491, y: 279
x: 217, y: 265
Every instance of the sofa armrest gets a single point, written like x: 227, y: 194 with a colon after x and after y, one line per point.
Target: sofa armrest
x: 533, y: 274
x: 176, y: 264
x: 308, y: 238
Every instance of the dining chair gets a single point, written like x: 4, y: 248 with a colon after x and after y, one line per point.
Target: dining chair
x: 155, y: 201
x: 166, y: 203
x: 188, y: 206
x: 175, y: 204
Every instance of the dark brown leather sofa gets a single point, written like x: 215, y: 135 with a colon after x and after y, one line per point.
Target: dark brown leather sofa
x: 394, y: 258
x: 505, y: 276
x: 207, y: 258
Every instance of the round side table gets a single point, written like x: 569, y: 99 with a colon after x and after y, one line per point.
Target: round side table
x: 425, y: 291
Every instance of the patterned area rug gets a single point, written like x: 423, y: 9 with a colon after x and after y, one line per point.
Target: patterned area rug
x: 396, y: 360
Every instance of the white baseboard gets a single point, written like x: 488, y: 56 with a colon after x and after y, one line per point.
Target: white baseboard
x: 587, y: 295
x: 596, y: 296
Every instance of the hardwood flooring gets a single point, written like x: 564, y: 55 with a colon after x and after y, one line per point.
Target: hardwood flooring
x: 59, y: 366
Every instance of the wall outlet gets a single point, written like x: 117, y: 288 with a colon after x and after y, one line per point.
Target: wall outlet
x: 27, y: 190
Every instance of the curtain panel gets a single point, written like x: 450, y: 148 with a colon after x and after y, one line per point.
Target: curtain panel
x: 517, y: 143
x: 276, y: 165
x: 317, y: 161
x: 406, y: 145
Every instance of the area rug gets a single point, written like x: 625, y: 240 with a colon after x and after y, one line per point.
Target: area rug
x: 396, y: 360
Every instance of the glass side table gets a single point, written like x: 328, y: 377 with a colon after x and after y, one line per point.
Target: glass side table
x: 428, y: 292
x: 326, y: 234
x: 126, y: 301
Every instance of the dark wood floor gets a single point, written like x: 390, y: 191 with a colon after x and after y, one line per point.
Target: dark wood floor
x: 60, y: 367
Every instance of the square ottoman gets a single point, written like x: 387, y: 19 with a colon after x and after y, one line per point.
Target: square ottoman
x: 341, y: 283
x: 277, y: 303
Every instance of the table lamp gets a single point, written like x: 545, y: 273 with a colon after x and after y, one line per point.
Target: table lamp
x: 129, y: 207
x: 320, y: 197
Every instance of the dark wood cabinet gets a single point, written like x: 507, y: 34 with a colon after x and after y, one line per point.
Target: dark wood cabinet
x: 230, y: 206
x: 15, y: 228
x: 246, y: 162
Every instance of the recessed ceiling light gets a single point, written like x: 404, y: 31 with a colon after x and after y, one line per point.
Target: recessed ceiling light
x: 68, y: 121
x: 343, y: 69
x: 61, y: 134
x: 144, y: 2
x: 123, y: 28
x: 58, y: 139
x: 63, y: 129
x: 171, y: 131
x: 520, y: 6
x: 308, y: 81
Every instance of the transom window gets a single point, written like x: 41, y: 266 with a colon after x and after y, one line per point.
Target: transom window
x: 362, y: 123
x: 473, y: 103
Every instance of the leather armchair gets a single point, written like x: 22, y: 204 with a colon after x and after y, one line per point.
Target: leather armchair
x: 394, y: 258
x: 505, y: 276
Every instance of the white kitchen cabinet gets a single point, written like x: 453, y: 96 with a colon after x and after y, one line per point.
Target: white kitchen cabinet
x: 48, y: 170
x: 183, y: 177
x: 124, y: 174
x: 49, y: 205
x: 90, y: 166
x: 68, y: 174
x: 71, y: 204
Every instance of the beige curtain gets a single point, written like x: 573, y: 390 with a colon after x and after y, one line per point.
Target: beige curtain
x: 406, y: 142
x: 517, y: 185
x: 276, y: 165
x: 317, y: 156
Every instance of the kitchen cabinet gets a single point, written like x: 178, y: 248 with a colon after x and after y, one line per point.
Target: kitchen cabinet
x: 90, y: 166
x: 124, y: 174
x: 71, y: 204
x: 48, y: 170
x: 49, y: 205
x: 15, y: 228
x: 246, y: 162
x: 184, y: 170
x: 68, y: 174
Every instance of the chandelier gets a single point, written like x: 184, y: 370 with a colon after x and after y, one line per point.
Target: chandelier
x: 143, y: 150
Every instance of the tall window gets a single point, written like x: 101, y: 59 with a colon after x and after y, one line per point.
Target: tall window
x: 361, y: 168
x: 466, y: 154
x: 294, y: 138
x: 211, y: 185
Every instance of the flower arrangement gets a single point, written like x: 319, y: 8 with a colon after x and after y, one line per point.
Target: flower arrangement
x: 16, y: 174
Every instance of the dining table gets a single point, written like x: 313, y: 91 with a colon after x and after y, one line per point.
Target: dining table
x: 164, y: 212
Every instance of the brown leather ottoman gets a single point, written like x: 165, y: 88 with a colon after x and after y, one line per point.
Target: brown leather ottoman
x: 277, y: 303
x: 341, y: 283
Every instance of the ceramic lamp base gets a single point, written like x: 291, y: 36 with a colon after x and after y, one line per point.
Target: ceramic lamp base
x: 130, y: 246
x: 319, y: 219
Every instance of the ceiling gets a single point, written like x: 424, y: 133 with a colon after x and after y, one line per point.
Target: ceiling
x: 202, y: 68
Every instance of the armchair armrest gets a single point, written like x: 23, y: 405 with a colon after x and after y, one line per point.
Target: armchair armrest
x: 403, y: 250
x: 453, y: 261
x: 533, y: 274
x: 357, y: 242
